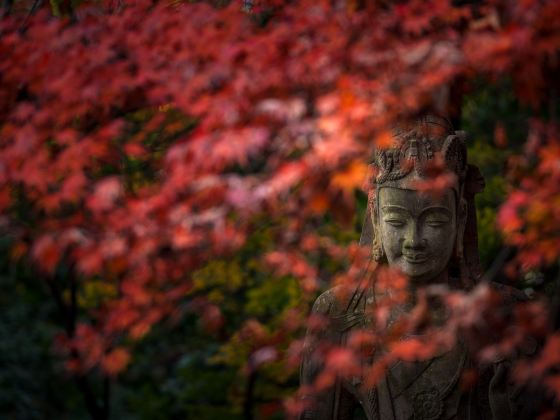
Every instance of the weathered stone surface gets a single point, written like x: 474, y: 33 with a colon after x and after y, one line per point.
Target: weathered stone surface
x: 432, y: 238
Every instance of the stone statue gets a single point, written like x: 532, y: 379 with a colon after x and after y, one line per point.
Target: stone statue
x: 432, y: 239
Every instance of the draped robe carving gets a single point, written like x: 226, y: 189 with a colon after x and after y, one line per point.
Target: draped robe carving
x: 429, y: 389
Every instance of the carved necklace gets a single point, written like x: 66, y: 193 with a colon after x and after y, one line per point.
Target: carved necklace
x: 426, y: 399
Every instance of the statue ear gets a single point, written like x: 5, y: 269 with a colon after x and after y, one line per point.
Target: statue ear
x: 366, y: 239
x: 370, y: 235
x: 377, y: 251
x: 461, y: 224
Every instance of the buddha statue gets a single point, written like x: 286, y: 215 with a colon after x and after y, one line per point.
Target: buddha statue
x: 432, y: 239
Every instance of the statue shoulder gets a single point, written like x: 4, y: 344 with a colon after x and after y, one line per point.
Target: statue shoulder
x: 509, y: 294
x: 333, y: 302
x: 327, y: 302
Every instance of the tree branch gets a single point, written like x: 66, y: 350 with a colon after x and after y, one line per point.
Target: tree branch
x: 69, y: 314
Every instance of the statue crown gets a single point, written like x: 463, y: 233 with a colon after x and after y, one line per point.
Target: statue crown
x: 429, y: 141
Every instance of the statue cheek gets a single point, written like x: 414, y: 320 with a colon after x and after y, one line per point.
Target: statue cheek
x: 448, y: 237
x: 442, y: 245
x: 391, y: 240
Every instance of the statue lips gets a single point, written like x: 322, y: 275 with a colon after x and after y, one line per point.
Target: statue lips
x: 415, y: 257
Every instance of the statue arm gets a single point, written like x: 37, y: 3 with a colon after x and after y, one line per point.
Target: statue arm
x: 322, y: 406
x: 312, y: 362
x: 507, y: 399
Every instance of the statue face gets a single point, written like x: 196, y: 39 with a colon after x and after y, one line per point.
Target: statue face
x: 417, y: 231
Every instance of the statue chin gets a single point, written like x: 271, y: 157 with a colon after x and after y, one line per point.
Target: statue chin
x: 423, y: 273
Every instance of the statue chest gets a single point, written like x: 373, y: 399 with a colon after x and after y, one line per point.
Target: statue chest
x: 426, y: 390
x: 423, y: 390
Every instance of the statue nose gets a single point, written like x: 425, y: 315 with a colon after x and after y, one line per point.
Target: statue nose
x: 415, y: 245
x: 413, y: 239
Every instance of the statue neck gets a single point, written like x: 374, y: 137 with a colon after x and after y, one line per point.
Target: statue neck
x: 414, y: 285
x: 441, y: 278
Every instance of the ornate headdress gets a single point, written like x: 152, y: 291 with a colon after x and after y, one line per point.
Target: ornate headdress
x: 418, y: 147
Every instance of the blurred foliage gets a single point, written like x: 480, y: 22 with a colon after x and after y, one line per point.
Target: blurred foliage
x: 484, y: 110
x: 181, y: 370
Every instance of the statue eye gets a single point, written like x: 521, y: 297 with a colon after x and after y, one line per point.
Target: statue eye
x: 436, y: 223
x: 395, y: 222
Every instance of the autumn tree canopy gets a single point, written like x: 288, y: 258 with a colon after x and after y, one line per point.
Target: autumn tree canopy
x: 141, y: 140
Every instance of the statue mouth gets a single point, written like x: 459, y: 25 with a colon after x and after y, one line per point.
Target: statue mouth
x: 415, y: 258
